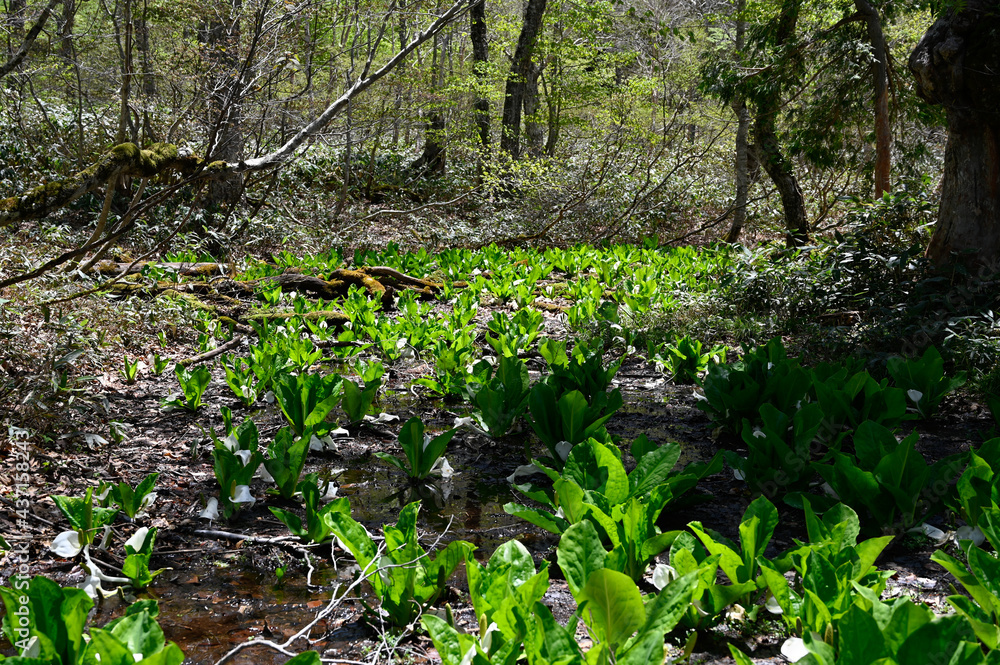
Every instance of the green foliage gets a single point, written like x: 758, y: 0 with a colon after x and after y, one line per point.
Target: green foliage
x: 582, y: 370
x: 623, y: 626
x: 686, y: 360
x: 405, y: 578
x: 85, y: 518
x: 780, y: 451
x: 306, y: 399
x: 193, y: 384
x: 286, y: 457
x: 735, y: 392
x: 890, y: 478
x: 499, y: 398
x: 623, y: 508
x: 56, y: 618
x: 451, y: 361
x: 317, y: 526
x: 357, y: 402
x: 923, y: 380
x: 564, y: 421
x: 159, y: 364
x: 130, y: 369
x: 138, y: 551
x: 848, y: 400
x: 133, y: 501
x: 513, y: 335
x: 423, y: 454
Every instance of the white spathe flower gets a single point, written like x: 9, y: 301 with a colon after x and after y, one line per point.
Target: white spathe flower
x: 103, y: 495
x: 324, y: 443
x: 241, y: 494
x: 231, y: 442
x: 739, y: 475
x: 794, y: 649
x: 772, y: 606
x: 137, y: 539
x: 147, y: 501
x: 244, y: 456
x: 264, y: 474
x: 932, y: 532
x: 269, y: 397
x: 443, y: 468
x: 331, y: 493
x: 103, y: 545
x: 33, y: 649
x: 758, y: 433
x: 523, y: 471
x: 663, y: 575
x: 973, y: 533
x: 563, y: 449
x: 66, y: 544
x: 736, y: 613
x: 915, y: 395
x: 469, y: 423
x: 211, y: 511
x: 381, y: 418
x: 487, y: 640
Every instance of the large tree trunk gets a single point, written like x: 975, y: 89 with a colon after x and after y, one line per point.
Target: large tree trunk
x: 517, y: 80
x: 778, y: 167
x: 880, y: 80
x: 221, y: 35
x: 957, y: 65
x: 480, y: 60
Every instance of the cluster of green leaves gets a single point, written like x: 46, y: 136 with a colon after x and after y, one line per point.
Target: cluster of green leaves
x: 193, y: 385
x: 499, y: 398
x: 404, y: 577
x: 423, y: 453
x: 623, y: 507
x: 571, y: 403
x: 687, y: 359
x: 49, y: 629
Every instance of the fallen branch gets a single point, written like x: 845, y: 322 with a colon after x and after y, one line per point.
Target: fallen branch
x: 208, y: 355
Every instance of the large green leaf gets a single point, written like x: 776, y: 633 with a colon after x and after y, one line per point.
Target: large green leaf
x: 580, y: 554
x: 614, y: 606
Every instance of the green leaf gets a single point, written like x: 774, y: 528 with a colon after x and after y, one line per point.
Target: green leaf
x: 580, y: 554
x: 859, y: 639
x: 614, y: 606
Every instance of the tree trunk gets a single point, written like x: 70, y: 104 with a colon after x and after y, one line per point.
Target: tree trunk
x: 432, y: 159
x: 510, y: 137
x: 778, y: 167
x: 480, y: 60
x: 533, y: 129
x: 742, y: 129
x: 222, y: 37
x: 957, y: 65
x: 880, y: 76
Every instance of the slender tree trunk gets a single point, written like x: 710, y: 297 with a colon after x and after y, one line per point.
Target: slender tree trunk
x: 957, y: 65
x: 880, y: 77
x: 534, y: 131
x: 510, y: 137
x: 480, y: 60
x: 778, y: 167
x: 742, y: 129
x: 432, y: 159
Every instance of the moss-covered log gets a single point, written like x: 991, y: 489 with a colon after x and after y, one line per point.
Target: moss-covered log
x: 126, y: 159
x: 183, y: 269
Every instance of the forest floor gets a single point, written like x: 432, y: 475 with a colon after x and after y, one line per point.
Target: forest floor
x: 231, y: 582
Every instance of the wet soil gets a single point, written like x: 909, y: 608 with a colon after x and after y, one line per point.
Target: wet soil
x: 223, y: 590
